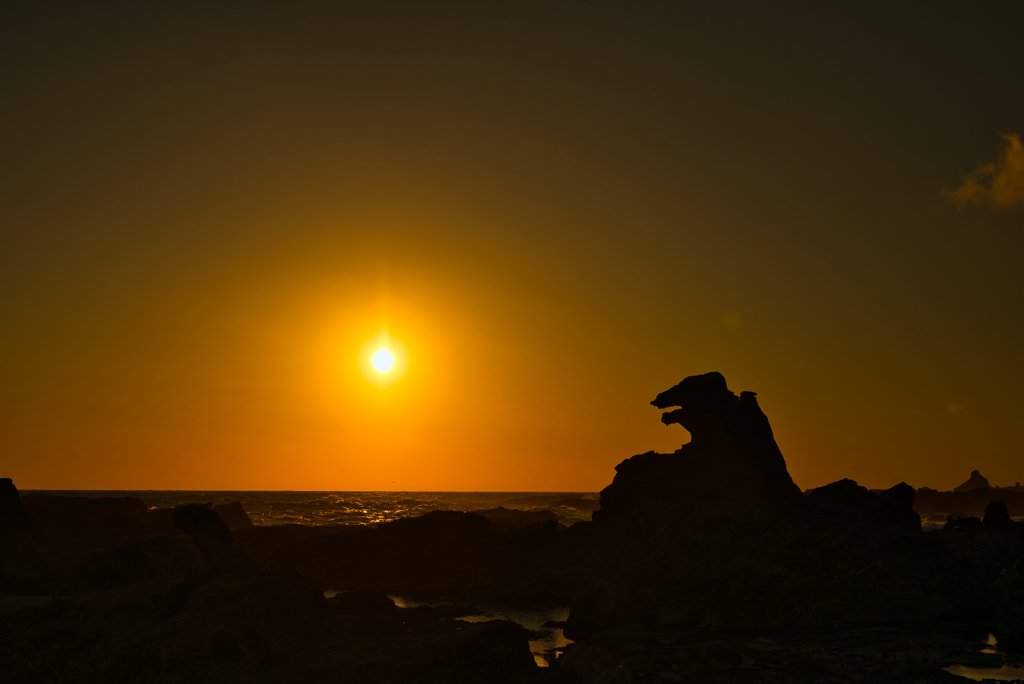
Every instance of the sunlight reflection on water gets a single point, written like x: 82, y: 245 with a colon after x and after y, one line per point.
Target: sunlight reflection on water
x: 348, y: 508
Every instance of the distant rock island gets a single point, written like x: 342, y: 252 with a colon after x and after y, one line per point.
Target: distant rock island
x: 975, y: 481
x: 706, y: 564
x: 967, y: 500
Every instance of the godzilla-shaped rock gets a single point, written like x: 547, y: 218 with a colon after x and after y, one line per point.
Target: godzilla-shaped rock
x: 975, y: 481
x: 731, y: 466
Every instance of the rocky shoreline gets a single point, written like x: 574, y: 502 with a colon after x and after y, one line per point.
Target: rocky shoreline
x: 708, y: 564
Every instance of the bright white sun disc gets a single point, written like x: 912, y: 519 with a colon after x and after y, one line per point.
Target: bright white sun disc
x: 383, y: 360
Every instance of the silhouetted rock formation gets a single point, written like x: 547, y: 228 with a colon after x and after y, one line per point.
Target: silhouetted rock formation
x: 12, y: 510
x: 722, y: 536
x: 233, y: 515
x: 975, y: 481
x: 75, y: 545
x: 47, y: 509
x: 971, y: 502
x: 688, y: 554
x: 612, y: 615
x: 209, y: 533
x: 149, y: 611
x: 513, y: 519
x: 996, y: 518
x: 732, y: 465
x: 442, y: 552
x: 584, y: 505
x: 845, y: 507
x: 969, y: 523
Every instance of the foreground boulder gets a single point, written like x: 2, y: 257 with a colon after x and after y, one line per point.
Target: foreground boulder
x: 441, y: 553
x: 233, y: 515
x: 507, y: 518
x: 12, y: 509
x: 612, y: 615
x: 53, y: 509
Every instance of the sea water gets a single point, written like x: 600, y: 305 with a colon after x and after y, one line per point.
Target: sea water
x: 349, y: 508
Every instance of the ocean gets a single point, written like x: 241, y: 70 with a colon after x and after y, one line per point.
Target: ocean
x: 351, y: 508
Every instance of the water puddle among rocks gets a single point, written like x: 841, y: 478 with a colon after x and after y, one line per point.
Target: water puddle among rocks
x: 545, y: 624
x: 988, y: 664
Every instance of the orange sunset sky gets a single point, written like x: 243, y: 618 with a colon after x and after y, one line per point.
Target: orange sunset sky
x: 211, y: 212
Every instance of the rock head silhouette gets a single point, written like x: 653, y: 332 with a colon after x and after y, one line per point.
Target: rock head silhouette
x: 731, y: 466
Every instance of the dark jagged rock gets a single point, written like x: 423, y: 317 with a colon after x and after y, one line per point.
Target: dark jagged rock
x: 975, y: 481
x: 179, y: 628
x: 612, y: 615
x: 513, y: 519
x: 53, y: 509
x: 212, y: 537
x: 151, y: 612
x: 970, y: 523
x: 233, y: 515
x: 707, y: 547
x: 77, y: 545
x: 900, y: 497
x: 364, y: 600
x: 584, y: 505
x: 12, y: 509
x: 996, y: 518
x: 845, y: 507
x: 864, y: 655
x: 205, y: 526
x: 442, y: 553
x: 732, y: 465
x: 272, y: 627
x: 971, y: 502
x: 719, y: 532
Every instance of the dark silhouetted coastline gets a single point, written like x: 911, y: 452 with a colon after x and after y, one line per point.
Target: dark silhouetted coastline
x: 707, y: 564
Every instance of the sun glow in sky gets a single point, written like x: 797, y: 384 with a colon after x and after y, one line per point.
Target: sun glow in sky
x: 215, y: 216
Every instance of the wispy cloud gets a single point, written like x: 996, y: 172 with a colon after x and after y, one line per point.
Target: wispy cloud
x: 999, y: 185
x: 956, y: 408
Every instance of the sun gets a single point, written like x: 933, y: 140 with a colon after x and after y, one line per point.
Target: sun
x: 383, y: 360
